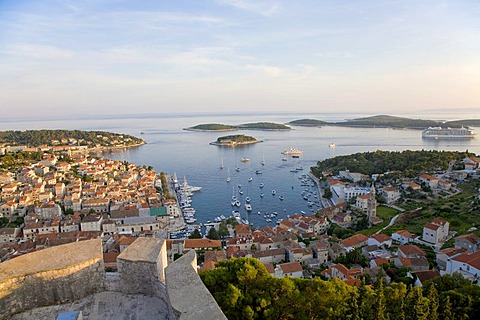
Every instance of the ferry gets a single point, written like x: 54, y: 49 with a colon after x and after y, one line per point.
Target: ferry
x: 447, y: 133
x: 292, y: 151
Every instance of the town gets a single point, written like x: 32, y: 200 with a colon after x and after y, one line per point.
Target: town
x: 68, y: 197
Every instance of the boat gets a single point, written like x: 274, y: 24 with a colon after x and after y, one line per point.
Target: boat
x: 237, y: 169
x: 237, y: 203
x: 245, y: 159
x: 185, y: 187
x: 141, y: 132
x: 247, y: 199
x: 299, y: 168
x: 263, y: 160
x: 258, y: 171
x: 332, y: 145
x: 284, y: 159
x: 261, y: 195
x: 296, y: 156
x: 293, y: 170
x: 292, y: 151
x: 273, y: 192
x: 240, y: 191
x: 281, y: 198
x: 221, y: 164
x: 250, y: 179
x: 248, y: 207
x: 261, y: 185
x: 447, y: 133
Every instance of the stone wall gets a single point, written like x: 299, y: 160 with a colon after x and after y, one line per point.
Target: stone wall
x: 189, y: 297
x: 51, y: 276
x: 142, y: 267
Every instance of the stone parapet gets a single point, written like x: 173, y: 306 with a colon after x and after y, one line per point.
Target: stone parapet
x: 189, y: 297
x: 51, y: 276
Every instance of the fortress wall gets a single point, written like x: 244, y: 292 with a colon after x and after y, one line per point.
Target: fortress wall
x: 142, y: 267
x: 189, y: 297
x: 51, y: 276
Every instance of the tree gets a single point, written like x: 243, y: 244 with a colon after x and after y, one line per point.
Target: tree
x: 432, y: 302
x: 195, y: 235
x: 379, y: 306
x: 213, y: 234
x: 447, y: 309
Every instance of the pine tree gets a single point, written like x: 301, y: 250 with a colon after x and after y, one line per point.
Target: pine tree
x: 433, y: 302
x: 447, y: 309
x: 379, y: 307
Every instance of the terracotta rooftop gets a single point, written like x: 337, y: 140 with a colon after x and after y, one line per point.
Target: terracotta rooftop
x: 411, y: 250
x: 290, y: 267
x: 354, y: 240
x: 202, y: 243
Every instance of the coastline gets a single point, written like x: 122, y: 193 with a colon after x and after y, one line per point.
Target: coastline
x: 233, y: 143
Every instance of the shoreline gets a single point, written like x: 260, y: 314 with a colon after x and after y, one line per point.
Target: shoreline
x: 233, y: 143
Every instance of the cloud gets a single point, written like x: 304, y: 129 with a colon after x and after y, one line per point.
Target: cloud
x: 269, y: 70
x: 264, y: 8
x: 37, y: 51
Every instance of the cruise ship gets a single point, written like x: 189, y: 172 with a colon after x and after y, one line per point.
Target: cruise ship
x: 292, y: 151
x: 447, y: 133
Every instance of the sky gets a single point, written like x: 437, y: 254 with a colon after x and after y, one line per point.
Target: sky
x: 123, y: 57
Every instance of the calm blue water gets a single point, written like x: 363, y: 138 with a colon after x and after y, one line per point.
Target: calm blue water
x: 171, y: 149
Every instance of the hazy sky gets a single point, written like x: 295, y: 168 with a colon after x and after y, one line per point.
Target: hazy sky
x: 108, y: 56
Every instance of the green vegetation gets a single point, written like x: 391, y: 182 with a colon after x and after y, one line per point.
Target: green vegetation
x: 308, y: 123
x: 233, y: 140
x: 245, y: 290
x: 236, y: 138
x: 212, y: 127
x: 165, y: 190
x: 467, y: 122
x: 389, y: 122
x: 225, y: 127
x: 264, y: 126
x: 35, y: 138
x: 15, y: 160
x: 409, y: 162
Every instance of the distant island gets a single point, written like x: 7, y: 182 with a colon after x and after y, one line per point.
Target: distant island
x: 67, y: 139
x: 385, y: 121
x: 235, y: 140
x: 245, y: 126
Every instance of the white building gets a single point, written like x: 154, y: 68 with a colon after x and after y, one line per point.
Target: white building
x: 92, y: 223
x: 468, y: 264
x: 436, y: 231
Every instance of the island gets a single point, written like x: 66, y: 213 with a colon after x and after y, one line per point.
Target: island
x: 235, y: 140
x: 386, y: 121
x: 67, y: 140
x: 245, y: 126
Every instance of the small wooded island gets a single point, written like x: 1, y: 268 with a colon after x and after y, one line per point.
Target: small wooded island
x: 245, y: 126
x: 235, y: 140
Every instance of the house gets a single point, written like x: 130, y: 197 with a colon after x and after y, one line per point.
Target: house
x: 8, y: 235
x: 436, y: 231
x: 403, y: 236
x: 429, y: 180
x: 270, y: 256
x: 378, y: 262
x: 343, y: 273
x: 201, y: 244
x: 270, y: 268
x: 412, y: 185
x: 244, y: 243
x: 242, y: 230
x: 290, y: 269
x: 91, y: 223
x: 471, y: 163
x: 380, y: 240
x: 445, y: 254
x: 48, y: 210
x: 320, y: 251
x: 411, y: 256
x: 391, y: 194
x: 424, y: 276
x: 444, y: 185
x: 299, y: 254
x: 467, y: 264
x: 355, y: 241
x: 470, y: 242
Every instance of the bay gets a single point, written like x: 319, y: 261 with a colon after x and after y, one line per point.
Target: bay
x: 171, y: 149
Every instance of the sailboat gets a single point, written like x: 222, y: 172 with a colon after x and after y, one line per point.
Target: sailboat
x: 263, y: 160
x: 228, y: 177
x: 221, y: 164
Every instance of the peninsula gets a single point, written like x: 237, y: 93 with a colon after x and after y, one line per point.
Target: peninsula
x: 385, y: 121
x: 235, y: 140
x: 34, y: 140
x: 245, y: 126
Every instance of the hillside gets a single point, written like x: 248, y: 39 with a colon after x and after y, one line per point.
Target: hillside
x: 467, y: 122
x: 390, y: 122
x: 409, y: 162
x: 307, y: 123
x: 35, y: 138
x: 250, y: 126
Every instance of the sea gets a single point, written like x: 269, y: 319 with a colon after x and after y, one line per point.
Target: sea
x: 189, y: 155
